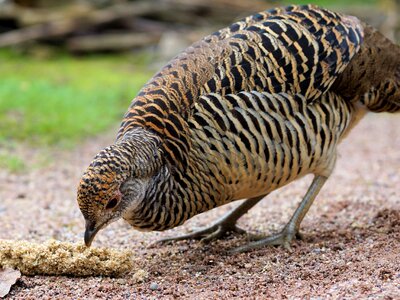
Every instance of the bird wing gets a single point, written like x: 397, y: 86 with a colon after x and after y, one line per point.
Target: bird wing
x: 294, y: 50
x: 300, y: 50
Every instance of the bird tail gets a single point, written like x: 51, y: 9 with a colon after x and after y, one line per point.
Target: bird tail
x: 373, y: 75
x: 384, y: 73
x: 386, y: 96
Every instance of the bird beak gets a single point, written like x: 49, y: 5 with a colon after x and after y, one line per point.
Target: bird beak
x: 90, y: 232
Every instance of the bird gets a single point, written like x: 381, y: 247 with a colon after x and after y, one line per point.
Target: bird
x: 237, y: 115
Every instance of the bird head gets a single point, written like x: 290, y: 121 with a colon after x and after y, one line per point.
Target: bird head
x: 115, y: 183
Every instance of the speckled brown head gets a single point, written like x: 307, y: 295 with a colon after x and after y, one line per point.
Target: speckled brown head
x: 116, y: 179
x: 99, y: 191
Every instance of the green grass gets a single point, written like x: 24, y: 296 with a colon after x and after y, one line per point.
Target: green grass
x: 11, y: 162
x: 64, y: 99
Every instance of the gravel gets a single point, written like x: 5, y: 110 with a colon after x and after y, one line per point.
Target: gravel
x: 350, y: 248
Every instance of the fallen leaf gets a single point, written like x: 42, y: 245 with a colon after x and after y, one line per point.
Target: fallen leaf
x: 8, y: 277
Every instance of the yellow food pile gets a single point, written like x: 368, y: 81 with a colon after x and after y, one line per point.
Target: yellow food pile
x: 61, y: 258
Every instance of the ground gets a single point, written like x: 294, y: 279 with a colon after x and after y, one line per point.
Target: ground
x: 350, y: 250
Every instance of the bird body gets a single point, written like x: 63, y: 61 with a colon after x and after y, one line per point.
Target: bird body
x: 276, y: 143
x: 239, y: 114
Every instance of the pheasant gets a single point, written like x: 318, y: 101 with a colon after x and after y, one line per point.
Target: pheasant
x: 243, y: 112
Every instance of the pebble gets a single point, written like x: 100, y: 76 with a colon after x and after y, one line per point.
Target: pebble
x: 154, y: 286
x: 121, y: 281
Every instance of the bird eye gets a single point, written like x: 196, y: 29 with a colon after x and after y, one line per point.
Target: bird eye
x: 112, y: 203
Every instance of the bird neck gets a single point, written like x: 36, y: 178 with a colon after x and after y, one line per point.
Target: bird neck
x: 170, y: 200
x: 141, y: 148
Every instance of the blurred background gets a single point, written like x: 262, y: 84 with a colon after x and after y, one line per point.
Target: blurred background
x: 68, y: 69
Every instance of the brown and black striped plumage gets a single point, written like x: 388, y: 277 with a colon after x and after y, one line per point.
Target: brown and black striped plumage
x: 239, y: 114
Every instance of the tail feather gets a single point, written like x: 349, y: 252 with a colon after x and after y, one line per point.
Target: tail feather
x: 373, y: 76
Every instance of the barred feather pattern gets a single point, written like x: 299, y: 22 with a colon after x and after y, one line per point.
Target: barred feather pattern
x: 136, y: 156
x: 297, y: 50
x: 245, y: 145
x: 245, y: 111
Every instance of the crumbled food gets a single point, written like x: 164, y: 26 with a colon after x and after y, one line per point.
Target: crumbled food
x: 62, y: 258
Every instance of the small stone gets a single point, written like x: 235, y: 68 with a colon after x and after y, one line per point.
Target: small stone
x: 140, y: 276
x: 21, y: 196
x: 154, y: 286
x: 121, y: 281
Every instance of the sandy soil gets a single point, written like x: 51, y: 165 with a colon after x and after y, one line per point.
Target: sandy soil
x: 350, y: 250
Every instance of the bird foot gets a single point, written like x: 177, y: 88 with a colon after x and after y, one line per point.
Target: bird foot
x: 257, y: 237
x: 207, y: 234
x: 282, y: 238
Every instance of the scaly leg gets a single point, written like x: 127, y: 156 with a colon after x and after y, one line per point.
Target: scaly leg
x: 226, y: 224
x: 292, y: 227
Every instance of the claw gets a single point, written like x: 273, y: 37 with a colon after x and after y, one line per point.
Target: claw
x: 214, y: 235
x: 291, y: 229
x: 282, y: 238
x: 205, y: 235
x: 224, y: 225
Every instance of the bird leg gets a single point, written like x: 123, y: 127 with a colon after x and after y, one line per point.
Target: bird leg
x: 225, y: 224
x: 292, y: 227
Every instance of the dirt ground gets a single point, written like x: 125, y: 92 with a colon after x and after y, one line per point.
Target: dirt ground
x: 351, y: 248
